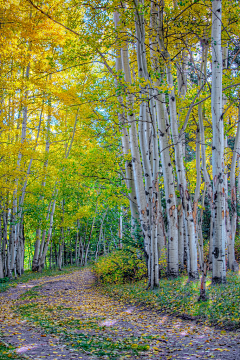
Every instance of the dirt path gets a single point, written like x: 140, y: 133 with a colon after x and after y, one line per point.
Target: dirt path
x: 67, y: 317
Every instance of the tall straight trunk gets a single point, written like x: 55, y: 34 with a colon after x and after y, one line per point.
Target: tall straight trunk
x: 182, y: 182
x: 181, y: 232
x: 36, y: 250
x: 177, y: 141
x: 236, y: 151
x: 120, y: 228
x: 143, y: 195
x: 80, y: 251
x: 100, y: 234
x: 76, y: 249
x: 206, y: 177
x: 125, y: 143
x: 15, y: 237
x: 50, y: 255
x: 43, y: 257
x: 219, y: 264
x: 1, y: 247
x: 195, y: 202
x: 78, y: 244
x: 6, y: 248
x: 200, y: 234
x: 170, y: 196
x: 45, y: 230
x: 136, y: 161
x: 149, y: 149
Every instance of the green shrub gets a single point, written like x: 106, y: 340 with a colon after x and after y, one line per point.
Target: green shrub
x: 121, y: 266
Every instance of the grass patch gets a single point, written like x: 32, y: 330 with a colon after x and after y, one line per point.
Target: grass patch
x: 178, y: 297
x: 28, y: 275
x: 8, y: 352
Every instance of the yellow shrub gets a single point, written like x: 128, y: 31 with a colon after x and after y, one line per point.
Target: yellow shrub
x: 121, y: 266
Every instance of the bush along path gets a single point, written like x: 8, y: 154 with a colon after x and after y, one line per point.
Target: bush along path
x: 69, y: 317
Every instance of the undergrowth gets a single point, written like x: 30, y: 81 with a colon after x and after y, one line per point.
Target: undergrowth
x: 121, y: 266
x: 179, y: 297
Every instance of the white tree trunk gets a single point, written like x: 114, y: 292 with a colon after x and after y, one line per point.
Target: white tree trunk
x: 236, y: 152
x: 219, y: 264
x: 43, y: 257
x: 182, y: 182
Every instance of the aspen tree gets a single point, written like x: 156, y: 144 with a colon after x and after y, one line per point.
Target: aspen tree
x: 219, y: 264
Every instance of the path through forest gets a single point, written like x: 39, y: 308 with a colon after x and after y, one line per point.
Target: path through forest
x: 68, y: 317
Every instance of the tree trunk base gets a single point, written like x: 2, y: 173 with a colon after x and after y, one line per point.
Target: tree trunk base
x: 235, y: 267
x: 218, y: 280
x: 192, y: 276
x: 203, y: 296
x: 172, y: 274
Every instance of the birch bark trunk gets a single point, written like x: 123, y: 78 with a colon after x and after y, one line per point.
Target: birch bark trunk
x: 125, y: 139
x: 1, y: 247
x: 219, y: 264
x: 43, y: 257
x: 182, y: 182
x: 177, y: 141
x: 233, y: 265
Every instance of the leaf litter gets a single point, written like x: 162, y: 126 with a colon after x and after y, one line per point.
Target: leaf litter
x: 69, y: 317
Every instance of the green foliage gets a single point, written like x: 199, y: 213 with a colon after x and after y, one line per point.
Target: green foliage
x: 121, y: 266
x: 180, y: 297
x: 237, y: 248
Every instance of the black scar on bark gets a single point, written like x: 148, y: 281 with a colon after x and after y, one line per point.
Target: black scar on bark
x: 147, y: 212
x: 145, y: 227
x: 169, y: 201
x: 218, y: 280
x: 169, y: 164
x: 146, y: 192
x: 187, y: 207
x: 216, y: 252
x: 172, y: 98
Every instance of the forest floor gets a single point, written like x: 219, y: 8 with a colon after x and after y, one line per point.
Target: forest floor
x: 69, y: 317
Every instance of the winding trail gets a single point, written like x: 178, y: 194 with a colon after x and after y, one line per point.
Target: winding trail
x: 68, y: 317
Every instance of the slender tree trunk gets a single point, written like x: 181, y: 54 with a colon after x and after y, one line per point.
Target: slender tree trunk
x: 36, y: 250
x: 231, y: 253
x: 219, y: 264
x: 1, y: 247
x: 182, y: 183
x: 43, y: 257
